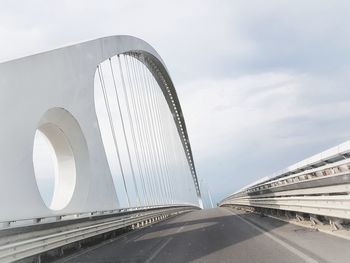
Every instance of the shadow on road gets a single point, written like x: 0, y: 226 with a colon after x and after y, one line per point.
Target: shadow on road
x: 189, y: 237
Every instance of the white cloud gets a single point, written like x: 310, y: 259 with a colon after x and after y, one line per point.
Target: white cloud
x: 218, y: 111
x: 247, y: 127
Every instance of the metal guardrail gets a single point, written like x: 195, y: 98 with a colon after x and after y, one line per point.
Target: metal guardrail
x: 330, y: 206
x: 320, y: 187
x: 14, y: 250
x: 76, y: 216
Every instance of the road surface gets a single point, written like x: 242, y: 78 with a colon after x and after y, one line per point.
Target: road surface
x: 219, y: 235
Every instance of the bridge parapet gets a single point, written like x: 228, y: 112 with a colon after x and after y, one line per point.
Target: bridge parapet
x: 317, y: 186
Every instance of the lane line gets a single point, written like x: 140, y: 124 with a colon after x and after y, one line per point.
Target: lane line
x: 292, y: 249
x: 134, y: 238
x: 158, y: 250
x: 155, y: 253
x: 179, y: 229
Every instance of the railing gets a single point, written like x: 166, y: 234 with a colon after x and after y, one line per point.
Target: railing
x: 51, y: 236
x: 319, y: 187
x: 4, y: 225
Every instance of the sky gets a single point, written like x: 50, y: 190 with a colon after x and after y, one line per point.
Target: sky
x: 262, y: 84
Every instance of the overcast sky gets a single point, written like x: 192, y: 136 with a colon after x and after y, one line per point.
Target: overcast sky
x: 263, y: 84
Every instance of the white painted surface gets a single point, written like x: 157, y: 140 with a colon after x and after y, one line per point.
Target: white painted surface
x: 59, y: 79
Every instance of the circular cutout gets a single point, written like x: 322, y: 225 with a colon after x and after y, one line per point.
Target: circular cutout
x: 54, y: 166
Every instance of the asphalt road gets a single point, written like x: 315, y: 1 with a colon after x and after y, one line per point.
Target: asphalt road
x: 220, y: 235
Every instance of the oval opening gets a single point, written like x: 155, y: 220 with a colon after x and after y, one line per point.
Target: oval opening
x: 54, y: 166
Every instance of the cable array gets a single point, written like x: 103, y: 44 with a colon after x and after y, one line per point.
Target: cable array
x: 144, y: 140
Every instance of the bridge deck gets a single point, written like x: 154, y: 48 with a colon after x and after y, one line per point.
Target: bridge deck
x: 219, y: 235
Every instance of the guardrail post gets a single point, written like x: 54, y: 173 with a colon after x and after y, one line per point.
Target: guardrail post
x: 299, y: 217
x: 336, y: 224
x: 314, y: 220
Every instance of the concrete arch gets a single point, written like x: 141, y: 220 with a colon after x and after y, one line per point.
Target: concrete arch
x: 64, y: 78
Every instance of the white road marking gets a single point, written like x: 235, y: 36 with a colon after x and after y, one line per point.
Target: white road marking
x: 158, y: 250
x: 292, y: 249
x: 135, y: 238
x: 155, y: 254
x: 179, y: 229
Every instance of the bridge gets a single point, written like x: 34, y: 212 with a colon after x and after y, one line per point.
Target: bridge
x: 97, y: 166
